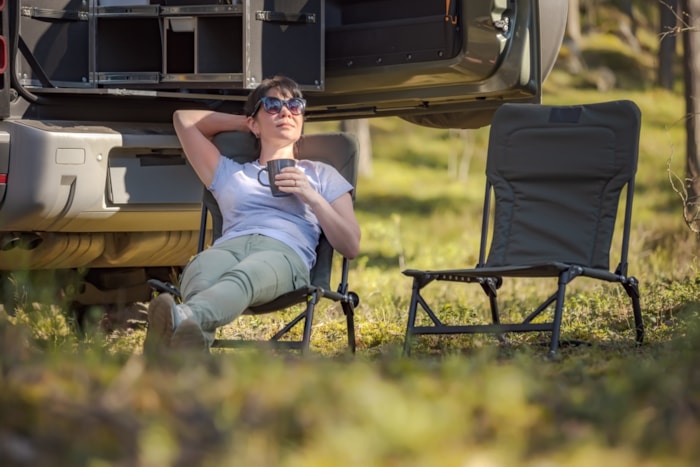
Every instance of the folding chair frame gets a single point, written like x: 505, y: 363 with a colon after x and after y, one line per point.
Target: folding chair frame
x: 490, y: 278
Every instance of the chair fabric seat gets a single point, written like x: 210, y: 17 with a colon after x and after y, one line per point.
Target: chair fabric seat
x: 552, y: 269
x: 287, y: 300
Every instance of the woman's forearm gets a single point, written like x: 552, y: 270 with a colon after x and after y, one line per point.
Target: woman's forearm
x: 209, y: 122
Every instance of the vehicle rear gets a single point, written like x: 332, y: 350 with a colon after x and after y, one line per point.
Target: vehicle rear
x: 93, y: 181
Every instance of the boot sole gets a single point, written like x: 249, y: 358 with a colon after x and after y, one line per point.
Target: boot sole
x: 160, y: 323
x: 189, y: 336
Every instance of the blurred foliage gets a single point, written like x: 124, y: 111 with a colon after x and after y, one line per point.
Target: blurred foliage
x: 89, y: 397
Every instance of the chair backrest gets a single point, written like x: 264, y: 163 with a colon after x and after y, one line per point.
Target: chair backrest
x: 336, y: 149
x: 557, y: 173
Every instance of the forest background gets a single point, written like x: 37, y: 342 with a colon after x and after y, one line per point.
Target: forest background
x: 88, y: 397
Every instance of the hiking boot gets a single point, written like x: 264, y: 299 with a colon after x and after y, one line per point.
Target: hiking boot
x: 189, y: 336
x: 160, y: 323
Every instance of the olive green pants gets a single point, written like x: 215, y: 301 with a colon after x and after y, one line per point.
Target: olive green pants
x: 221, y: 282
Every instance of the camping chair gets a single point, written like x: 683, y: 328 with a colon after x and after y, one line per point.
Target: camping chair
x: 557, y: 174
x: 336, y: 149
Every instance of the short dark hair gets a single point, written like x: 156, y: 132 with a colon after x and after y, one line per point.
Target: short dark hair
x: 285, y: 85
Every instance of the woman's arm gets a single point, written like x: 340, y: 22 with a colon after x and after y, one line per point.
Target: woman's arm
x: 341, y: 227
x: 337, y: 219
x: 195, y: 128
x: 339, y: 224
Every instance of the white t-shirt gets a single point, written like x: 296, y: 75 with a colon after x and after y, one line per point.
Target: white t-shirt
x: 247, y: 207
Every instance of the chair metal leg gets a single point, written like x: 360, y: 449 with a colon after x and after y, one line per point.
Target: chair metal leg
x: 490, y: 287
x: 638, y: 324
x: 310, y: 306
x: 559, y: 307
x: 289, y: 326
x: 349, y: 311
x: 631, y: 286
x: 412, y: 307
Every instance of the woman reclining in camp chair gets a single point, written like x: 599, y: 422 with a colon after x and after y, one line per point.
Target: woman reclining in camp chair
x: 268, y: 244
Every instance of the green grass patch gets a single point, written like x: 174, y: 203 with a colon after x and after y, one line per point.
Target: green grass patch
x: 91, y: 398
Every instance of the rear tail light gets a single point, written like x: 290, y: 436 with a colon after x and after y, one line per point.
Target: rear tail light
x: 3, y: 53
x: 3, y: 43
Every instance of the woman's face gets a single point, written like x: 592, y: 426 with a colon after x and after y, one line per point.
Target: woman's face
x: 281, y: 128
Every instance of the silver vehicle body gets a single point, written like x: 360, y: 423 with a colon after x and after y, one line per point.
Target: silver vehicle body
x: 91, y: 174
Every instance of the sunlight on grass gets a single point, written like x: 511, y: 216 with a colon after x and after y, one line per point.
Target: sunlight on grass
x: 91, y: 398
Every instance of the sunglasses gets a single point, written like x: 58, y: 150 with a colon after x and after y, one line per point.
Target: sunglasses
x: 273, y: 105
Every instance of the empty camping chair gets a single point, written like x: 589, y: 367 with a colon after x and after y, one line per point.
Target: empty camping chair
x: 336, y: 149
x: 557, y: 173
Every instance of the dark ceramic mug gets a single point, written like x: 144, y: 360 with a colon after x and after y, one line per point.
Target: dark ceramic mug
x: 274, y: 167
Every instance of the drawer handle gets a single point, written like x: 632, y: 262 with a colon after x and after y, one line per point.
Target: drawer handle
x: 282, y: 17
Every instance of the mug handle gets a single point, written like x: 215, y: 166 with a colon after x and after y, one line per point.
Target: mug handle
x: 264, y: 169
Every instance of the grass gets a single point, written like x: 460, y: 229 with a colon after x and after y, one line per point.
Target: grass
x: 92, y: 399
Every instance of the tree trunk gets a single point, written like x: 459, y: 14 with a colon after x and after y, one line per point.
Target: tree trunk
x: 668, y: 10
x: 691, y: 72
x: 573, y: 23
x: 360, y: 128
x: 627, y: 7
x: 575, y: 63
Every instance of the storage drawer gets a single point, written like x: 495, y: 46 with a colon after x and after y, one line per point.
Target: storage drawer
x: 57, y: 33
x: 285, y: 38
x: 391, y: 42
